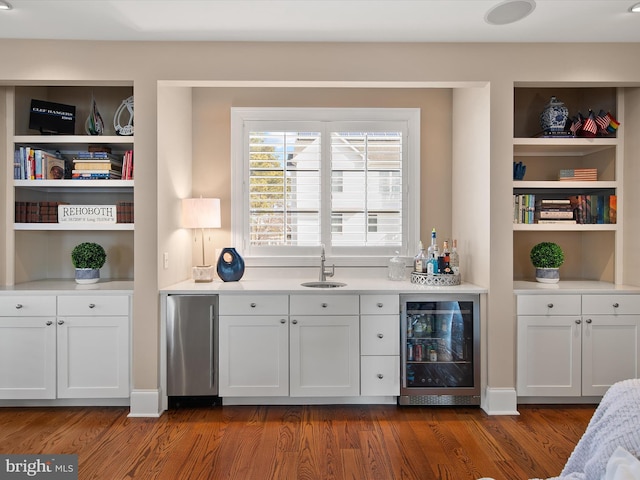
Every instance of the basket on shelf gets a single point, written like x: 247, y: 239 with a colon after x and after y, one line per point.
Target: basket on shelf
x: 435, y: 280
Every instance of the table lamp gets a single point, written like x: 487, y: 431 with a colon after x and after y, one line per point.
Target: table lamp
x: 201, y: 213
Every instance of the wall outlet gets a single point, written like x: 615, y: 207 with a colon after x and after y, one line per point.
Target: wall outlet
x: 165, y: 260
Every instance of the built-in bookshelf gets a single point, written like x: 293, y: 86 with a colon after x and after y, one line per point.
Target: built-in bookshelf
x: 583, y: 171
x: 38, y: 246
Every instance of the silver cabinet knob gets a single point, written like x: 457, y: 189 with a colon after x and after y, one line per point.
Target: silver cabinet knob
x: 92, y: 305
x: 380, y: 376
x: 282, y: 320
x: 49, y: 322
x: 18, y: 306
x: 578, y: 322
x: 380, y: 335
x: 60, y: 322
x: 295, y: 322
x: 324, y: 305
x: 616, y: 305
x: 380, y: 305
x: 253, y: 305
x: 549, y: 305
x: 588, y: 320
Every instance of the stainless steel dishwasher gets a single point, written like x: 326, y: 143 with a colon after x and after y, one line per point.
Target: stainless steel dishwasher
x: 192, y: 349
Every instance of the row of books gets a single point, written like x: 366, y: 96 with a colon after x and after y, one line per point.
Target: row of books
x: 37, y: 212
x: 580, y: 209
x: 36, y: 164
x: 47, y: 212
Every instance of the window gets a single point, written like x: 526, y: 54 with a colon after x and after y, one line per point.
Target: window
x: 335, y: 177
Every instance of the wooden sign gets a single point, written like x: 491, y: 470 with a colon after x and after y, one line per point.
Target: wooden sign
x: 97, y: 214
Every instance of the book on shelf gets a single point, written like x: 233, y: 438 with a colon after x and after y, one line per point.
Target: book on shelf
x: 555, y: 214
x: 79, y: 164
x: 98, y: 155
x: 557, y: 221
x: 37, y: 212
x: 37, y: 164
x: 595, y: 209
x: 124, y: 212
x: 127, y: 165
x: 95, y: 175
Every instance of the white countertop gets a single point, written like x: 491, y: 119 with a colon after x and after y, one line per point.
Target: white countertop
x: 69, y: 286
x: 283, y: 285
x: 569, y: 287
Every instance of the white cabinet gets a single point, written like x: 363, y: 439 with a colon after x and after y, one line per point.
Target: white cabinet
x: 568, y: 346
x: 93, y: 346
x: 298, y: 345
x: 27, y: 347
x: 379, y: 345
x: 254, y: 345
x: 324, y: 345
x: 63, y: 352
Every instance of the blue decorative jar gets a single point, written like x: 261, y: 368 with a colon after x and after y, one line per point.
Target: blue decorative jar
x: 554, y: 116
x: 230, y: 265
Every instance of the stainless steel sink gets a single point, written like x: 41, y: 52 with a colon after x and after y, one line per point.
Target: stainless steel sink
x: 323, y: 284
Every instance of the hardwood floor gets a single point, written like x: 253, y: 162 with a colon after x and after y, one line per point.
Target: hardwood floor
x: 302, y: 443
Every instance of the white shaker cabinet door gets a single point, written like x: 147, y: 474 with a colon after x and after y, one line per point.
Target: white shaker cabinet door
x: 609, y: 351
x: 93, y: 357
x: 325, y: 355
x: 27, y: 358
x: 253, y: 355
x: 549, y: 356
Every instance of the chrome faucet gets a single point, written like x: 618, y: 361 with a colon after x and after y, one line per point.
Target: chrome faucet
x: 324, y: 273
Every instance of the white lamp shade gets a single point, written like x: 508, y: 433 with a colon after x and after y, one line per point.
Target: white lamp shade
x: 201, y: 213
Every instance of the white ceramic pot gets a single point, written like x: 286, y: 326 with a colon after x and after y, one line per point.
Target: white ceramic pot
x: 87, y: 275
x: 548, y: 275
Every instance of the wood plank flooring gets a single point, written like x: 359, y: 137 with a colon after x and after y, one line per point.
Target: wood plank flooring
x: 302, y: 442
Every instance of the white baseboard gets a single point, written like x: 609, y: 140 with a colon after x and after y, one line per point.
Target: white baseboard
x: 500, y: 401
x: 145, y: 403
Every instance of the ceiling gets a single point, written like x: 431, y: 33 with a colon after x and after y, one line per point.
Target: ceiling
x: 317, y: 21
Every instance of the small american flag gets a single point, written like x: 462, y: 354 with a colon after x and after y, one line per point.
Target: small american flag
x: 603, y: 120
x: 590, y: 126
x: 575, y: 125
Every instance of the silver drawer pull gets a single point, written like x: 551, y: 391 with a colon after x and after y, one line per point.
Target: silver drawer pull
x: 49, y: 322
x: 380, y: 305
x: 324, y: 305
x: 616, y: 305
x: 253, y: 305
x: 578, y: 322
x: 380, y: 376
x: 92, y: 305
x: 60, y: 322
x: 18, y: 306
x: 549, y: 305
x: 295, y: 322
x: 283, y: 321
x: 380, y: 335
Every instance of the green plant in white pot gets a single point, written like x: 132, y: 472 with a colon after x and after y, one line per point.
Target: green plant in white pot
x: 547, y: 258
x: 88, y: 258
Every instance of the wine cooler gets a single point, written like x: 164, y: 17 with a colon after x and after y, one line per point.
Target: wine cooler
x: 440, y: 340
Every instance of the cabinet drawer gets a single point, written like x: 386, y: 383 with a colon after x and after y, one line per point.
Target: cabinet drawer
x: 254, y: 304
x: 549, y: 305
x: 610, y: 304
x: 27, y: 305
x: 379, y: 304
x: 379, y: 335
x: 379, y: 376
x: 93, y: 305
x: 325, y: 305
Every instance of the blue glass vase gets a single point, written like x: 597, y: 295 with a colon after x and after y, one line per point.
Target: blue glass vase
x: 230, y: 265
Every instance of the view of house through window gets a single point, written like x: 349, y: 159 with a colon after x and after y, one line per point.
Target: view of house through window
x: 340, y: 183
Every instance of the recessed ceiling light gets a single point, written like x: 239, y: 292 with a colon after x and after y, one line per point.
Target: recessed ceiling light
x: 509, y: 11
x: 635, y: 8
x: 5, y: 5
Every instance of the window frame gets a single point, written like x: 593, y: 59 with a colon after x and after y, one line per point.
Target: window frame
x: 285, y: 255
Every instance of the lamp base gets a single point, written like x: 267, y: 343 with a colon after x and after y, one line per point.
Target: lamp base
x: 202, y: 273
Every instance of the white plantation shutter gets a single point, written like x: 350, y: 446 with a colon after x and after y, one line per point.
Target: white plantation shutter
x: 338, y: 182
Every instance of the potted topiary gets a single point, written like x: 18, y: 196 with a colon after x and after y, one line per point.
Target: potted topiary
x: 547, y: 258
x: 88, y: 258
